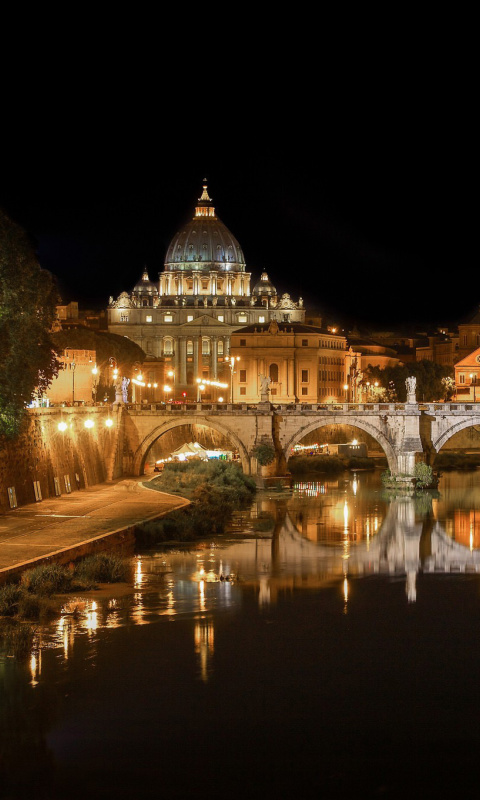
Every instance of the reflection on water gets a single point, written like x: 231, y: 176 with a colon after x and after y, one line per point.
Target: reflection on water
x: 327, y: 539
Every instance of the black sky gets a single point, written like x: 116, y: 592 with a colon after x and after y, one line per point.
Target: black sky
x: 354, y: 193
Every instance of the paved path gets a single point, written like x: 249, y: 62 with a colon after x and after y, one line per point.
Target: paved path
x: 41, y: 529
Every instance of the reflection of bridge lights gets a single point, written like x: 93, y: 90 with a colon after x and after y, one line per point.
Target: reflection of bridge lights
x: 92, y: 618
x: 138, y: 573
x: 310, y: 488
x: 204, y: 638
x: 35, y: 667
x: 345, y: 515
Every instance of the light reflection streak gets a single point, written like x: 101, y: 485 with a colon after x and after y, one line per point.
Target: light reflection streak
x: 139, y: 576
x: 204, y: 638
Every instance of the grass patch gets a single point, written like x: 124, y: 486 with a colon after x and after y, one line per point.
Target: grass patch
x: 101, y: 568
x: 10, y: 595
x: 18, y: 638
x: 47, y: 579
x: 36, y: 607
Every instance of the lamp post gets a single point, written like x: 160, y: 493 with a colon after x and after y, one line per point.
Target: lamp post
x: 137, y: 380
x: 473, y: 378
x: 167, y: 389
x: 94, y: 387
x: 72, y: 366
x: 231, y: 363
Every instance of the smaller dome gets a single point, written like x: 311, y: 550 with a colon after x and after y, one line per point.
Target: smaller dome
x: 145, y: 285
x: 264, y: 287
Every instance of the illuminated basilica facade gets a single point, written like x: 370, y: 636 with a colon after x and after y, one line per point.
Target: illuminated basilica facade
x: 187, y: 316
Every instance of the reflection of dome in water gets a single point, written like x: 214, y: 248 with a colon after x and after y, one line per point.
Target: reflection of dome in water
x: 264, y: 287
x: 205, y: 243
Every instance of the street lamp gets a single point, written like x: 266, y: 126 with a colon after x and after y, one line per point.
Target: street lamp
x: 94, y: 387
x: 137, y: 380
x: 167, y: 389
x: 231, y: 363
x: 473, y: 378
x: 72, y: 366
x: 200, y: 389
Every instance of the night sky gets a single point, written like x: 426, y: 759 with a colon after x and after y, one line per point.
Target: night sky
x: 359, y: 202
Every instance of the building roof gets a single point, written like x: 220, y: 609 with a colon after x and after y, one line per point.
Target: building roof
x: 205, y: 243
x: 287, y: 327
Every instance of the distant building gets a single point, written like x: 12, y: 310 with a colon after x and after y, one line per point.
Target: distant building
x: 441, y: 347
x: 302, y: 363
x: 469, y: 335
x: 467, y: 378
x: 76, y: 381
x: 201, y: 297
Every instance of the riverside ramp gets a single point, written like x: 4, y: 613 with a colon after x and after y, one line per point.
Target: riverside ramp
x: 65, y: 528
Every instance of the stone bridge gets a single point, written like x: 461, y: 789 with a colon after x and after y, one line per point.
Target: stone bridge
x: 406, y: 432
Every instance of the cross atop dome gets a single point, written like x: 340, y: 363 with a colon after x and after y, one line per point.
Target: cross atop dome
x: 205, y: 209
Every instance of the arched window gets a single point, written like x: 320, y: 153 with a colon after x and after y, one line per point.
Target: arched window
x: 189, y: 347
x: 220, y: 347
x: 205, y: 346
x: 273, y: 371
x: 167, y: 346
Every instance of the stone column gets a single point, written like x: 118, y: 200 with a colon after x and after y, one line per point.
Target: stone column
x: 195, y: 358
x: 183, y: 361
x: 214, y: 357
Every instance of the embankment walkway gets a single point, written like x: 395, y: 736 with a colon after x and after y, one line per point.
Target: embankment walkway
x: 66, y: 527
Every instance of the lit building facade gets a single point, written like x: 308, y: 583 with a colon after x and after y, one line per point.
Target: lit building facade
x: 301, y: 363
x: 187, y: 317
x: 467, y: 378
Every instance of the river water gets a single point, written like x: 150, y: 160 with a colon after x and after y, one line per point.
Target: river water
x: 328, y: 646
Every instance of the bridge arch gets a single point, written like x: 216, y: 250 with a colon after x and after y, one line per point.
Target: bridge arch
x: 458, y: 426
x: 354, y: 422
x: 168, y: 425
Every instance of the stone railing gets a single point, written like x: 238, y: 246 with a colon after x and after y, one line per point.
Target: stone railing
x: 375, y: 409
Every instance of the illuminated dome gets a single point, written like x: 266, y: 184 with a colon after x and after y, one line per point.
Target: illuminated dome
x: 145, y: 285
x: 264, y: 288
x: 145, y: 290
x: 205, y: 243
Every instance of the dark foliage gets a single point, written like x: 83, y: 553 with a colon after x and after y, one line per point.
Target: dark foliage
x: 28, y: 299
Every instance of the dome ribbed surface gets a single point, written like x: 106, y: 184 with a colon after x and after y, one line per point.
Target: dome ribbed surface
x: 205, y: 243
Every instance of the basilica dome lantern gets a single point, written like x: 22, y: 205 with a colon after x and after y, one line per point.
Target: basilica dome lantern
x: 204, y: 258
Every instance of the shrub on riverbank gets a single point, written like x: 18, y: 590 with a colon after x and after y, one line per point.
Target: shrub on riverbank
x: 18, y: 638
x: 102, y: 568
x: 216, y: 489
x: 47, y: 579
x: 184, y: 477
x: 10, y: 595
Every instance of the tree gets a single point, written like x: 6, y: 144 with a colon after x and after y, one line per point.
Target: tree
x: 430, y: 385
x: 28, y: 299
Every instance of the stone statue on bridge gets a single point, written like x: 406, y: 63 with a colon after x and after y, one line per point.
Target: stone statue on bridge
x: 411, y: 384
x: 265, y: 382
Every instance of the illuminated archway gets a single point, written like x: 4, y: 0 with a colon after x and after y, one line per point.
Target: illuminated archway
x: 357, y: 422
x: 143, y: 449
